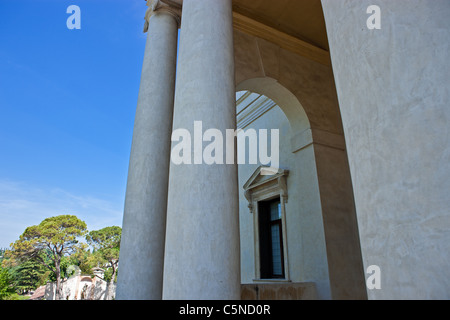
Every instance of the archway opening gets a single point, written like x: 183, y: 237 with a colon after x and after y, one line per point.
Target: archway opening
x: 320, y: 235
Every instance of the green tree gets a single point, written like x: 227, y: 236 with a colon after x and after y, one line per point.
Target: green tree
x: 6, y: 284
x: 106, y: 244
x: 53, y: 238
x: 28, y: 275
x: 84, y: 261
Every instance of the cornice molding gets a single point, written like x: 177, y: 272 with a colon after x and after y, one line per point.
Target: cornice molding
x: 284, y: 40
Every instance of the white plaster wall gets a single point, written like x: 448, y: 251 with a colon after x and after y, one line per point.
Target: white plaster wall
x: 304, y: 224
x: 73, y: 287
x: 393, y: 88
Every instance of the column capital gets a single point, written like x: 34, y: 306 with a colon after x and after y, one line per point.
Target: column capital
x: 168, y: 6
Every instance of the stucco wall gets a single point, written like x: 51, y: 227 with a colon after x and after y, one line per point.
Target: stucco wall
x: 393, y: 89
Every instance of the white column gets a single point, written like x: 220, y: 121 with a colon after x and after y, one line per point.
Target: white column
x: 142, y: 246
x: 202, y: 237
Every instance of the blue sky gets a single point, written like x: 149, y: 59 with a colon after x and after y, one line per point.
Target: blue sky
x: 67, y: 106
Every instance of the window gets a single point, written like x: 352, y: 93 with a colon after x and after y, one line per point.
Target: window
x: 271, y: 239
x: 266, y: 192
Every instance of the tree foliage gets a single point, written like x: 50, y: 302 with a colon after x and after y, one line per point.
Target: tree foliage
x: 6, y: 284
x: 106, y: 244
x: 52, y: 250
x: 53, y: 239
x: 29, y: 275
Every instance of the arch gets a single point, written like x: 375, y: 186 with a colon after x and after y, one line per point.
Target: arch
x: 303, y: 223
x: 288, y: 102
x: 305, y: 91
x: 300, y: 127
x: 264, y: 65
x: 86, y: 279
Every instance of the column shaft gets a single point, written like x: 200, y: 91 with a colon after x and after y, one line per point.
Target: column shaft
x: 142, y: 246
x: 202, y: 239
